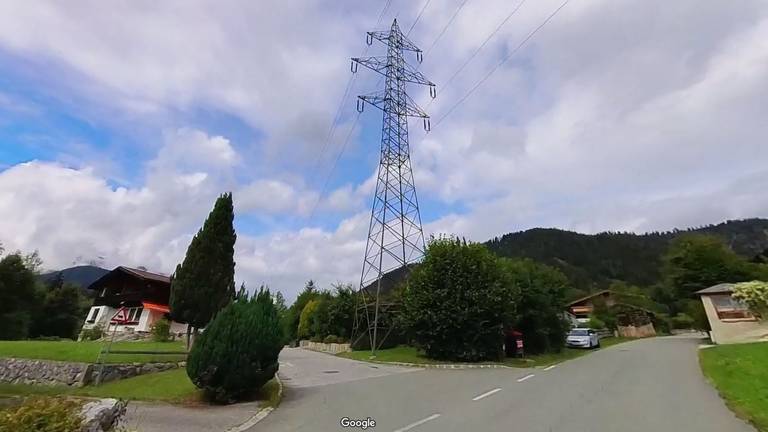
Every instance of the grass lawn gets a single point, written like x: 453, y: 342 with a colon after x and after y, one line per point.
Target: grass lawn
x: 170, y: 386
x: 407, y: 354
x: 88, y: 351
x: 740, y: 374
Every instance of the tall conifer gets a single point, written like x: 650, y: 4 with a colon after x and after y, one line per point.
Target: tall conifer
x: 205, y: 281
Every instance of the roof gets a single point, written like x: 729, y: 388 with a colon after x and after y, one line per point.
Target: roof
x: 594, y: 294
x: 143, y: 274
x: 140, y: 274
x: 723, y: 288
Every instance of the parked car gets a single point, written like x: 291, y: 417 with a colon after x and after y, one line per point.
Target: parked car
x: 583, y: 338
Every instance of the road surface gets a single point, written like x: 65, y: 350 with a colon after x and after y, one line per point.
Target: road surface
x: 651, y: 385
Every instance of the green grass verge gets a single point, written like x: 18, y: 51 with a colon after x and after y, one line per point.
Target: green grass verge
x: 170, y: 386
x: 407, y: 354
x: 740, y: 374
x: 88, y: 351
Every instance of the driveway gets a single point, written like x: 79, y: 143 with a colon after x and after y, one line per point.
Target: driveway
x: 651, y: 385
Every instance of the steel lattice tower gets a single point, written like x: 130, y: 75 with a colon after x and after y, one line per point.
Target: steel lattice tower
x: 395, y: 237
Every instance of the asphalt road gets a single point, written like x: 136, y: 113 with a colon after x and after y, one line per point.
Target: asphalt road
x: 652, y: 385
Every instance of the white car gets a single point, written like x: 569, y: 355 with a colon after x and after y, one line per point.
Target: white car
x: 583, y: 338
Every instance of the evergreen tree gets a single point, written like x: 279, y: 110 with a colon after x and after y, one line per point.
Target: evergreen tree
x: 205, y: 281
x: 20, y: 298
x: 238, y: 351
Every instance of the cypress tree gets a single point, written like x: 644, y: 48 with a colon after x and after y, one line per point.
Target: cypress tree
x: 205, y: 281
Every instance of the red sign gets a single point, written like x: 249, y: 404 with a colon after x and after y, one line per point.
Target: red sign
x: 519, y: 344
x: 121, y: 317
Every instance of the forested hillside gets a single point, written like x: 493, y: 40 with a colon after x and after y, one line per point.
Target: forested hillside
x: 593, y: 260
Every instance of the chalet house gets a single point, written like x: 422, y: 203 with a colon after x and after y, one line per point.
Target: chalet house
x: 632, y: 321
x: 730, y: 320
x: 145, y: 296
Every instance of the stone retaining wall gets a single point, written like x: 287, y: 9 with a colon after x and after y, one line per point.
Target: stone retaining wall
x: 49, y: 372
x: 332, y: 348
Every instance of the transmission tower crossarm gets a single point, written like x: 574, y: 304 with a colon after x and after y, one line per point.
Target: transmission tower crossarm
x: 402, y: 42
x: 380, y: 65
x: 408, y: 109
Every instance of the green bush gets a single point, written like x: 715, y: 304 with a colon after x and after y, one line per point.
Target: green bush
x: 94, y: 333
x: 161, y: 330
x: 331, y: 339
x: 682, y: 321
x: 457, y: 302
x: 595, y: 323
x: 237, y: 353
x: 42, y: 414
x: 541, y: 304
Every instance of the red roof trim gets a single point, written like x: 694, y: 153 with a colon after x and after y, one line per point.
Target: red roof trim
x: 156, y: 307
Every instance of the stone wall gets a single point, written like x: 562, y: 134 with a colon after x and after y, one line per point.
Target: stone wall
x: 332, y: 348
x: 48, y: 372
x: 28, y: 371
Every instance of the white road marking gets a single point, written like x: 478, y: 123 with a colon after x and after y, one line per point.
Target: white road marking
x: 550, y: 367
x: 418, y: 423
x: 486, y: 394
x: 287, y: 364
x: 526, y: 377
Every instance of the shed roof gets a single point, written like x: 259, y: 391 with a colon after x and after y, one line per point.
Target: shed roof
x: 723, y: 288
x: 594, y: 294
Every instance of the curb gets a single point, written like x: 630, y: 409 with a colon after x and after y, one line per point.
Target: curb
x: 444, y: 366
x: 260, y: 414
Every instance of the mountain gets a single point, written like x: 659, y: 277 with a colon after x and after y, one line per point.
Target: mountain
x: 593, y: 260
x: 81, y: 276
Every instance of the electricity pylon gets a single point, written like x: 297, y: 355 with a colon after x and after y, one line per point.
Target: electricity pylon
x: 395, y: 236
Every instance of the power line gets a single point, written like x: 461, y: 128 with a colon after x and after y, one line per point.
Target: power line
x: 418, y: 17
x: 340, y: 107
x: 485, y: 42
x: 333, y: 168
x: 453, y: 17
x: 504, y: 60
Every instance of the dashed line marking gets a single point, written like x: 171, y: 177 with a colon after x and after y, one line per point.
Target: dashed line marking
x: 550, y: 367
x: 526, y: 377
x: 418, y: 423
x: 486, y: 394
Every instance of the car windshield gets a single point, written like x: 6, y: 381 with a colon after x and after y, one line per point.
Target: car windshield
x: 579, y: 332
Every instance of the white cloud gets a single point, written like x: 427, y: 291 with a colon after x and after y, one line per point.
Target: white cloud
x: 636, y: 115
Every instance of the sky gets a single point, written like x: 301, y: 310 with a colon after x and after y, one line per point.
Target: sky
x: 122, y: 121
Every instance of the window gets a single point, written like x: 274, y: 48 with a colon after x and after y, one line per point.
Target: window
x: 134, y: 314
x: 728, y: 307
x: 94, y: 315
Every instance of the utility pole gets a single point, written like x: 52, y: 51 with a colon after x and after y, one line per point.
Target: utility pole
x: 395, y: 236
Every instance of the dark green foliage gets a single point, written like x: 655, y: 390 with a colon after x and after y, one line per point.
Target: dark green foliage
x: 62, y: 311
x: 20, y: 298
x: 694, y: 262
x: 293, y: 314
x: 205, y: 281
x: 593, y: 261
x: 237, y: 353
x: 458, y: 302
x: 341, y: 312
x: 541, y: 304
